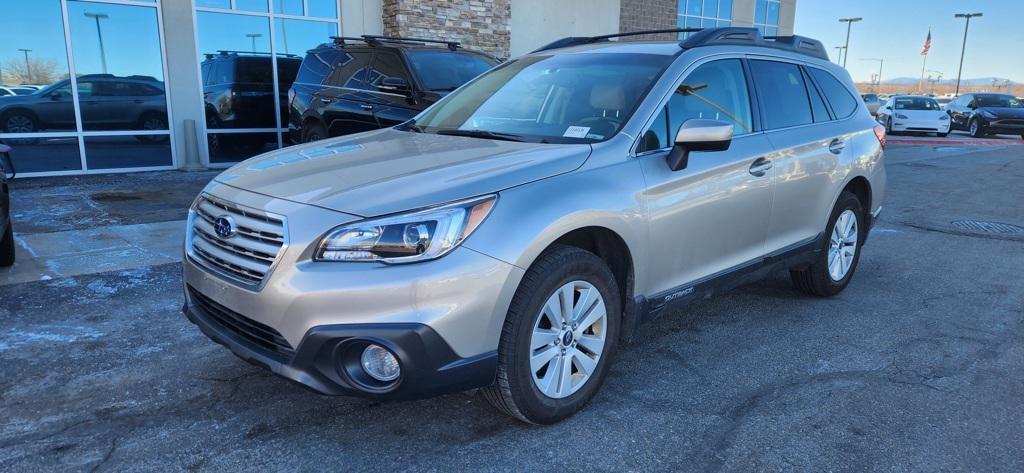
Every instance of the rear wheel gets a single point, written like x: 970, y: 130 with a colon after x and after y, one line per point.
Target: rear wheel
x: 20, y: 122
x: 836, y: 262
x: 313, y: 132
x: 559, y: 337
x: 7, y: 247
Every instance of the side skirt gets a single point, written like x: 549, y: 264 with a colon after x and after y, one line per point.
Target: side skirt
x: 795, y: 256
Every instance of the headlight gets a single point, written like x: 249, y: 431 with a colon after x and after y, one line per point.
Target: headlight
x: 407, y: 238
x: 901, y: 116
x: 987, y: 114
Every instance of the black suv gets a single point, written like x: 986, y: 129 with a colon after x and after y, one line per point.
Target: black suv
x: 6, y: 227
x: 238, y: 88
x: 361, y: 84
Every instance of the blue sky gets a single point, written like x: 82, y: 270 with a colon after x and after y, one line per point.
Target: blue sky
x: 894, y: 30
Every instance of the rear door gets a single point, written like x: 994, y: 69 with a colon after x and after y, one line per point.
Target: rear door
x: 346, y: 103
x: 712, y: 216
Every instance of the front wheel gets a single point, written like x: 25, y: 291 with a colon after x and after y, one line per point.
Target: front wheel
x: 942, y: 135
x: 834, y: 265
x: 559, y: 337
x: 888, y: 126
x: 977, y: 131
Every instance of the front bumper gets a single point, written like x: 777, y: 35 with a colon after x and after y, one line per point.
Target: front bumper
x: 1004, y: 126
x: 923, y: 126
x: 322, y: 362
x: 441, y: 318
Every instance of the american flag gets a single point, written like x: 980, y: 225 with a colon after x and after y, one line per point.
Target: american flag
x: 927, y: 44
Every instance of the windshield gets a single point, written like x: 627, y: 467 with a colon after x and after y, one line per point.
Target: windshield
x: 1004, y: 101
x: 447, y: 70
x: 916, y: 103
x: 564, y: 98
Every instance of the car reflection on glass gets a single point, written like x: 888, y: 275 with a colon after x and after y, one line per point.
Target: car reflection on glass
x: 107, y: 102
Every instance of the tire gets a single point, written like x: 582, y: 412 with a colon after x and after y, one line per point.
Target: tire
x: 19, y: 122
x: 888, y: 126
x: 7, y: 247
x: 942, y: 135
x: 515, y: 391
x: 817, y: 279
x: 151, y: 122
x: 975, y: 128
x: 313, y: 132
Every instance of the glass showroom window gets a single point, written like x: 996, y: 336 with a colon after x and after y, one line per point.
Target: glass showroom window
x: 766, y: 16
x: 100, y: 108
x: 249, y: 54
x: 704, y: 14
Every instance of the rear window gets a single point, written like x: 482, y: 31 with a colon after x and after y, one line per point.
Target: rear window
x: 316, y: 67
x: 446, y: 70
x: 916, y: 103
x: 837, y: 95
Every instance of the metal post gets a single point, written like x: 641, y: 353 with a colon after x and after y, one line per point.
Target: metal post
x: 963, y: 48
x: 99, y: 34
x: 28, y: 67
x: 849, y: 22
x: 191, y: 147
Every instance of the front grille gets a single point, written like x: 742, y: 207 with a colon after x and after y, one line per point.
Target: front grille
x: 245, y: 257
x: 258, y: 336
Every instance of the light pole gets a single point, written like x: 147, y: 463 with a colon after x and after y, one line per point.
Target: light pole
x: 880, y: 62
x: 28, y: 67
x: 99, y: 34
x: 253, y: 37
x: 963, y: 47
x: 849, y: 22
x: 839, y: 54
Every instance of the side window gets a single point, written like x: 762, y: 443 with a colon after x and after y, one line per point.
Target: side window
x: 387, y: 64
x: 783, y: 93
x: 206, y: 73
x: 657, y: 136
x: 349, y: 70
x: 716, y: 90
x: 843, y: 103
x: 818, y: 108
x: 315, y: 67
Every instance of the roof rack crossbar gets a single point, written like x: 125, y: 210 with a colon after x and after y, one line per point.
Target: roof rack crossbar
x: 752, y: 37
x: 453, y: 45
x: 578, y: 40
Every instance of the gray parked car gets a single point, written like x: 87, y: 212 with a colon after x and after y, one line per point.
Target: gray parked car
x: 516, y: 233
x: 6, y: 227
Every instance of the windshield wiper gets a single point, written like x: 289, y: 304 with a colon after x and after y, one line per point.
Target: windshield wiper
x: 480, y: 134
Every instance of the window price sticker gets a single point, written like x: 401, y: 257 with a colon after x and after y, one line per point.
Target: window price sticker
x: 576, y: 132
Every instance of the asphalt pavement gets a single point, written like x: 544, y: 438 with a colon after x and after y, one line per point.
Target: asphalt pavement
x: 917, y: 366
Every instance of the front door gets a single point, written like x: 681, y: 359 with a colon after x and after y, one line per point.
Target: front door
x: 712, y: 216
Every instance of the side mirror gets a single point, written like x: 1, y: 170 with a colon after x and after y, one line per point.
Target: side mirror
x: 397, y: 85
x: 699, y: 134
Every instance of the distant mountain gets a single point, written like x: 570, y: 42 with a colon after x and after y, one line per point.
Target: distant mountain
x: 978, y: 81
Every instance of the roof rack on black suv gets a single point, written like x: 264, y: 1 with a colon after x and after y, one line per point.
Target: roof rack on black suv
x: 713, y: 37
x: 227, y: 52
x: 376, y: 40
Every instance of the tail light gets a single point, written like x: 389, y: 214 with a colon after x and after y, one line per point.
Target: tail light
x: 880, y: 134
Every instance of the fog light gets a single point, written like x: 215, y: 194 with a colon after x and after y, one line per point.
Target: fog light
x: 380, y: 364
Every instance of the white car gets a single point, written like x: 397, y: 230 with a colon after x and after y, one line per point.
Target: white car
x: 914, y: 113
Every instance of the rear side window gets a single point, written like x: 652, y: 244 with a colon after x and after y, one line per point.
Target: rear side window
x: 842, y: 101
x: 350, y: 70
x: 783, y: 93
x: 446, y: 70
x: 315, y: 67
x: 818, y: 108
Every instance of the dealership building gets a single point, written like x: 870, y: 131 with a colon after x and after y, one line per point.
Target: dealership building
x: 149, y: 75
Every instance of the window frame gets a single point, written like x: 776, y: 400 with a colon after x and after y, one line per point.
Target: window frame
x: 764, y: 118
x: 856, y: 97
x: 755, y: 106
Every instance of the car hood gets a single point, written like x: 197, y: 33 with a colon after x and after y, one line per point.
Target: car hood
x: 386, y: 171
x: 1004, y: 112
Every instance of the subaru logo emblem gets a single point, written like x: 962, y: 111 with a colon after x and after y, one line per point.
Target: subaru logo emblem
x: 225, y: 226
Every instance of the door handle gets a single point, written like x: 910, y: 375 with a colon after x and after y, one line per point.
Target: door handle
x: 760, y: 166
x: 836, y: 146
x: 326, y: 100
x: 366, y: 106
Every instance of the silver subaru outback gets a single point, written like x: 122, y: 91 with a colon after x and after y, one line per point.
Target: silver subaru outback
x: 514, y: 235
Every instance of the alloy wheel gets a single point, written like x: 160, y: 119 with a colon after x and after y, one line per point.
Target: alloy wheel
x: 20, y: 124
x: 974, y: 127
x: 568, y: 339
x: 842, y: 245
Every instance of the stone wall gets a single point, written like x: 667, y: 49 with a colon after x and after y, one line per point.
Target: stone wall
x: 481, y: 25
x: 639, y: 15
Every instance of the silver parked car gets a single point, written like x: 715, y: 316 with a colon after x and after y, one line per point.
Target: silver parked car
x: 512, y: 236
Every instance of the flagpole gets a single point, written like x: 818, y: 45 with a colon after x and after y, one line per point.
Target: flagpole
x: 924, y: 61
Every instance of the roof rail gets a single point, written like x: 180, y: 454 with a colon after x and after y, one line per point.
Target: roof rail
x: 226, y: 52
x: 371, y: 39
x: 578, y: 40
x: 340, y: 40
x: 752, y: 37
